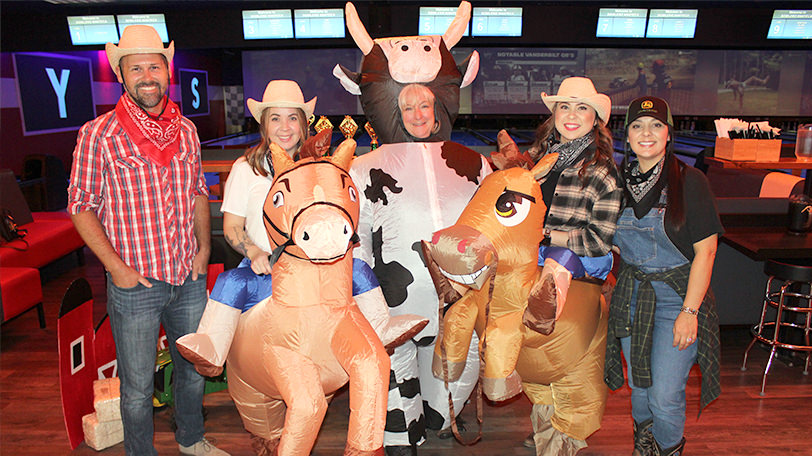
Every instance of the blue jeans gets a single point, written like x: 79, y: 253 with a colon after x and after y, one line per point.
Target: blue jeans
x: 664, y: 400
x: 135, y: 316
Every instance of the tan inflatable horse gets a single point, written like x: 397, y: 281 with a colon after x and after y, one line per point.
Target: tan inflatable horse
x: 493, y: 250
x: 309, y: 338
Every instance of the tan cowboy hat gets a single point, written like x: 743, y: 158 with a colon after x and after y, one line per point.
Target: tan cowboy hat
x: 281, y: 94
x: 580, y: 90
x: 138, y: 39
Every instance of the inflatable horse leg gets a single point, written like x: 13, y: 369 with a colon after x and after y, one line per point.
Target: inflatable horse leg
x: 393, y: 331
x: 208, y: 348
x: 262, y: 416
x: 367, y: 365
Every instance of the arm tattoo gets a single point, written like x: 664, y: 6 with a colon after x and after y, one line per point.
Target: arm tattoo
x: 239, y: 240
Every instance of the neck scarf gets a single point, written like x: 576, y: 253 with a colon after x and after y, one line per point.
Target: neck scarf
x: 643, y: 189
x: 156, y: 137
x: 570, y: 152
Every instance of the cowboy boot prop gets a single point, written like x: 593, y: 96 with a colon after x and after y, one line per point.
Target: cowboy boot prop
x: 208, y: 348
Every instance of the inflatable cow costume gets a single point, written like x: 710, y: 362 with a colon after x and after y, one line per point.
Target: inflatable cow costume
x: 410, y: 187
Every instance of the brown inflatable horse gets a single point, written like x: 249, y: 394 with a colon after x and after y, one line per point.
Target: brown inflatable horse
x: 493, y: 250
x: 300, y: 345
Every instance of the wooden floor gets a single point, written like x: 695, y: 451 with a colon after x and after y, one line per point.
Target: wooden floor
x: 740, y: 422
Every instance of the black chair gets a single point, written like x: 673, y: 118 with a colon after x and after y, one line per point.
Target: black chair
x: 788, y: 292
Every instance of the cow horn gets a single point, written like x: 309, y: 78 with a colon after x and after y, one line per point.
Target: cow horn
x: 358, y: 32
x: 458, y: 25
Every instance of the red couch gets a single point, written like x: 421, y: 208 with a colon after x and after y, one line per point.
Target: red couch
x: 20, y: 290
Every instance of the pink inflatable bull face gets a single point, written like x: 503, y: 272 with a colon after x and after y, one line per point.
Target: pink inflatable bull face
x: 389, y: 64
x: 312, y: 208
x: 493, y: 250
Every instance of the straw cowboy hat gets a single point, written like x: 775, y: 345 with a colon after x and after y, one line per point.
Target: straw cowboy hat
x: 580, y: 90
x: 138, y: 39
x: 281, y: 94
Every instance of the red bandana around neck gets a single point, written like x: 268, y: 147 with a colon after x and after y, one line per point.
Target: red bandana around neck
x: 156, y: 138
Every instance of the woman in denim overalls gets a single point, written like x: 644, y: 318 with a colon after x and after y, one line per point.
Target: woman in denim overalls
x: 662, y: 315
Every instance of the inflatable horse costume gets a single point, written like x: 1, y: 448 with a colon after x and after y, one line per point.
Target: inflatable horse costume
x: 295, y: 348
x: 493, y: 249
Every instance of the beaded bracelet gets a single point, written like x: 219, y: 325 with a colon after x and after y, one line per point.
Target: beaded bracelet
x: 688, y: 310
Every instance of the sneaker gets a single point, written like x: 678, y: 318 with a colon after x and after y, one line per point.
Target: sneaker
x: 529, y: 442
x: 202, y: 448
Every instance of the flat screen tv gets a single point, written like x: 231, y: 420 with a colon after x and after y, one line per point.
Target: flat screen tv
x: 621, y: 23
x: 671, y: 23
x: 157, y: 22
x: 791, y: 25
x: 434, y: 20
x: 319, y: 23
x: 86, y: 30
x: 267, y: 24
x: 494, y: 21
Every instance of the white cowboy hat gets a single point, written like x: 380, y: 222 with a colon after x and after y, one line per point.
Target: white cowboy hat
x: 580, y: 90
x: 281, y: 94
x: 138, y: 39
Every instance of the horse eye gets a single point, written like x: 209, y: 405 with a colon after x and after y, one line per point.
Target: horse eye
x: 278, y: 199
x: 511, y: 208
x: 404, y: 48
x: 427, y: 48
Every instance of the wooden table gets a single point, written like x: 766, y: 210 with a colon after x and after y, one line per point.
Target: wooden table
x: 222, y: 167
x: 790, y: 163
x: 768, y: 242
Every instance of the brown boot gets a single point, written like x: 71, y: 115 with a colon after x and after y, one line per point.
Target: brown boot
x: 643, y: 438
x: 675, y: 450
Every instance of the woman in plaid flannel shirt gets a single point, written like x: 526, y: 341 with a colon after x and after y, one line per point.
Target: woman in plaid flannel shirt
x: 581, y: 192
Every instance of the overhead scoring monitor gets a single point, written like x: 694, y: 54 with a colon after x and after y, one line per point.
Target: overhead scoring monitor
x: 319, y: 23
x: 156, y: 21
x: 496, y: 22
x: 267, y: 24
x: 434, y: 20
x: 621, y: 23
x: 791, y: 25
x: 671, y: 23
x: 92, y: 29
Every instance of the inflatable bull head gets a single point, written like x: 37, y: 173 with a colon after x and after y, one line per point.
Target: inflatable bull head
x: 390, y: 64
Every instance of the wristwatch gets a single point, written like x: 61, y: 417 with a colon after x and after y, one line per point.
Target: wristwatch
x: 547, y: 237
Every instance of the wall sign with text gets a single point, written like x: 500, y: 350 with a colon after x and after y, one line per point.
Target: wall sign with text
x: 56, y: 92
x: 194, y: 92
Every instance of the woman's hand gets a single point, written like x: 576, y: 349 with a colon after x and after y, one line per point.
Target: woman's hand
x: 260, y: 263
x: 685, y: 327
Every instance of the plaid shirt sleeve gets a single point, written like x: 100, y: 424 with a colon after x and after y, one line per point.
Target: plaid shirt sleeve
x: 588, y: 213
x: 85, y: 188
x: 201, y: 189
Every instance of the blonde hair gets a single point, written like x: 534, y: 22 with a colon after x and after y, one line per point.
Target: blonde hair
x: 257, y: 156
x: 419, y: 89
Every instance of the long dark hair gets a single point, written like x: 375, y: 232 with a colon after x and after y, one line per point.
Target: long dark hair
x: 546, y: 135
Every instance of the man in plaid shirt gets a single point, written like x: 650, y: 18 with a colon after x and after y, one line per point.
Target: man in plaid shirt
x: 139, y: 200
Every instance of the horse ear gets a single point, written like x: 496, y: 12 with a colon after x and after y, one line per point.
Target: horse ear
x: 280, y: 159
x: 544, y: 166
x: 344, y: 154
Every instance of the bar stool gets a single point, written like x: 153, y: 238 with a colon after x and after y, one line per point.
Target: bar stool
x: 779, y: 294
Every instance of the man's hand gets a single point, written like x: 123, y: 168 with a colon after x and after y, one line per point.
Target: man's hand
x: 200, y: 264
x: 127, y: 277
